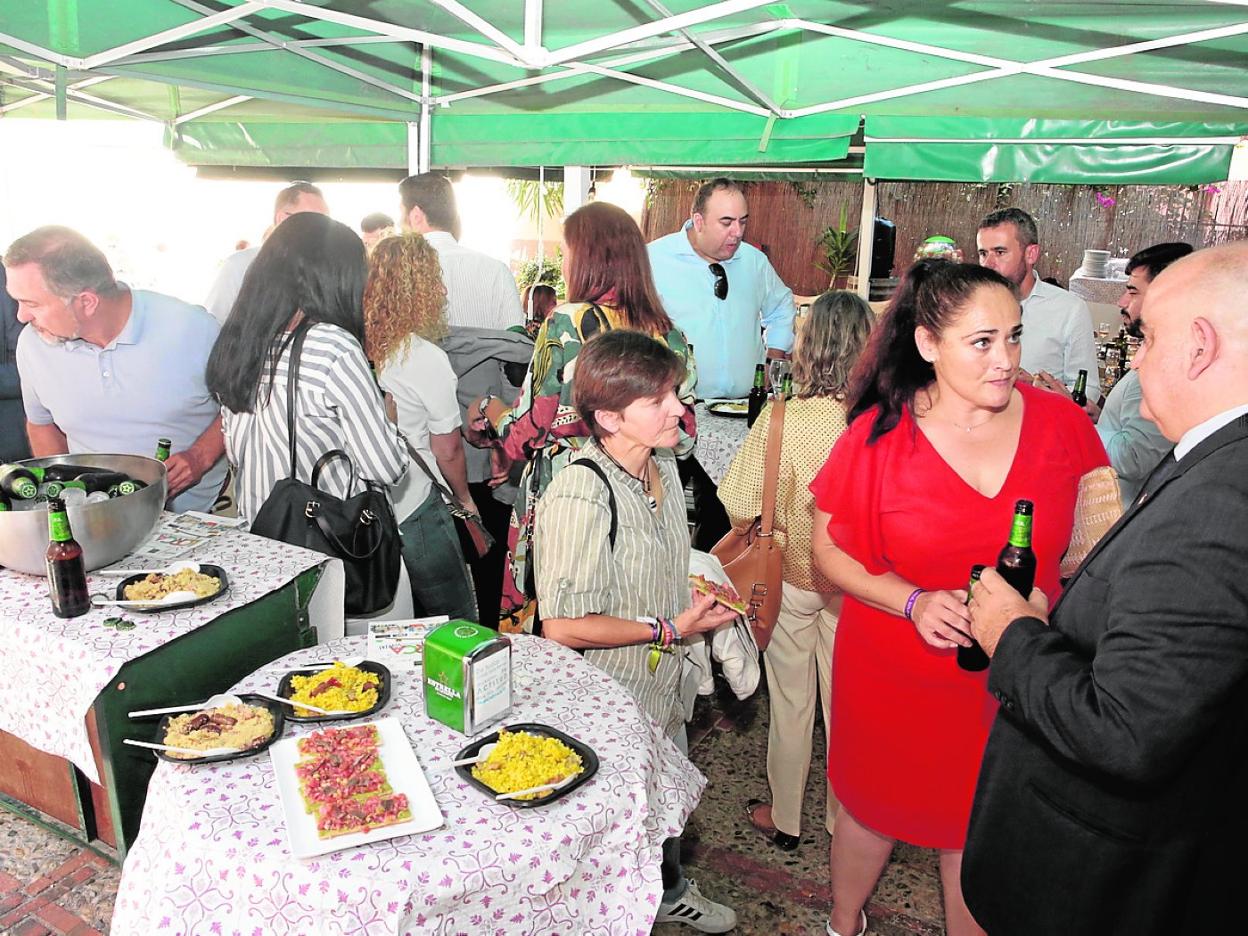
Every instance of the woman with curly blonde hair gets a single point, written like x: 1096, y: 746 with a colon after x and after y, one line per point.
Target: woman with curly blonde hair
x: 404, y: 314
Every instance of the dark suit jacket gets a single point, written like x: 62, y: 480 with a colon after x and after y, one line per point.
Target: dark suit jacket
x: 1113, y: 796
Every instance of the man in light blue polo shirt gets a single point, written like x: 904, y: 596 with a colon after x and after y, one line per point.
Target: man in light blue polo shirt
x: 105, y: 368
x: 722, y: 292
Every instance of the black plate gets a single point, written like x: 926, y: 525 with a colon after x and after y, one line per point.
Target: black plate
x: 214, y: 570
x: 588, y: 759
x: 279, y: 723
x: 285, y: 689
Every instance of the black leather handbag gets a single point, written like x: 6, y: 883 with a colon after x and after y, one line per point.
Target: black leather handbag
x: 360, y: 530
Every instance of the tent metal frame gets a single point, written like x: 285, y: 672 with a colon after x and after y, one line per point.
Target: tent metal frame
x: 666, y: 35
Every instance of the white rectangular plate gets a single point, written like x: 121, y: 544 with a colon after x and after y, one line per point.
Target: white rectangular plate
x: 402, y: 769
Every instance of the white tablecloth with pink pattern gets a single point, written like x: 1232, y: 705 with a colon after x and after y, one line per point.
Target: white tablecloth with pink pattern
x: 212, y: 856
x: 52, y: 669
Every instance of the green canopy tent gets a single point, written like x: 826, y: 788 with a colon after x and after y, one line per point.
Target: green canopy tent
x: 974, y: 91
x: 1095, y: 91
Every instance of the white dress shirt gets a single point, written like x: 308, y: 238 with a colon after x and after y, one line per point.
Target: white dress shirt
x: 1197, y: 434
x: 1058, y: 337
x: 480, y: 291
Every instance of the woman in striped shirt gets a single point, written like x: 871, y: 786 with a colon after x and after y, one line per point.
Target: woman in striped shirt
x: 311, y: 269
x: 612, y: 555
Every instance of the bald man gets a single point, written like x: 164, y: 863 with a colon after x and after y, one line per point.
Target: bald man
x: 1112, y: 793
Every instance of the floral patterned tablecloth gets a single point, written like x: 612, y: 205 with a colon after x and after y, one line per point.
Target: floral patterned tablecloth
x: 719, y: 440
x: 212, y: 856
x: 51, y: 669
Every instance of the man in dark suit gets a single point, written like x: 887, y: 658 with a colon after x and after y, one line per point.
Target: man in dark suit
x: 1113, y: 796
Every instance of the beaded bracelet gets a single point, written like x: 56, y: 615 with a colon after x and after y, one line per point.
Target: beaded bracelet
x: 914, y: 596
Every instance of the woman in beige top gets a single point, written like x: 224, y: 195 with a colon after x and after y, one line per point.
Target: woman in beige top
x: 799, y: 657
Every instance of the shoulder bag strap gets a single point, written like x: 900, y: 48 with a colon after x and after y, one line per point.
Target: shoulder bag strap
x: 442, y: 489
x: 771, y: 473
x: 292, y: 378
x: 597, y: 469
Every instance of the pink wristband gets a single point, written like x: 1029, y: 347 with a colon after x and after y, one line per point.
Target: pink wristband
x: 914, y: 596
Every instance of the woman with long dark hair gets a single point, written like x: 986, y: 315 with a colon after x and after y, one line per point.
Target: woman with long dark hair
x: 309, y: 276
x: 941, y: 444
x: 609, y: 285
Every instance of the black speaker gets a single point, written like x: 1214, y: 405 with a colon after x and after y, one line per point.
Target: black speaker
x: 883, y: 249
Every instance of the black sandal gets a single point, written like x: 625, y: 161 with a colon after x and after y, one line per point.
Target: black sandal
x: 781, y: 840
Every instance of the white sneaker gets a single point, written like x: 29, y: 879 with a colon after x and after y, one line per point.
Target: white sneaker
x: 697, y: 911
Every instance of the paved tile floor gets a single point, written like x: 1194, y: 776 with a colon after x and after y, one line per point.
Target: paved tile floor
x: 50, y: 886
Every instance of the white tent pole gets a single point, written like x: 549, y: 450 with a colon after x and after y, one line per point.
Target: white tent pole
x: 211, y: 109
x: 576, y: 180
x: 541, y: 204
x: 425, y: 155
x: 413, y: 147
x: 40, y: 52
x: 703, y: 14
x: 533, y: 25
x: 866, y: 237
x: 484, y: 27
x: 677, y: 89
x: 42, y: 96
x: 739, y: 79
x: 171, y: 35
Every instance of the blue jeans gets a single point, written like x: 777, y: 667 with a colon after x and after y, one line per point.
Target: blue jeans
x: 435, y: 562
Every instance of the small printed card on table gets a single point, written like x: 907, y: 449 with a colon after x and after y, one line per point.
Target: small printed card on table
x: 400, y: 645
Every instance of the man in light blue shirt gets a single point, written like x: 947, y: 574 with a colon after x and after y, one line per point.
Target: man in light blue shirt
x: 105, y: 368
x: 1134, y: 443
x: 722, y: 292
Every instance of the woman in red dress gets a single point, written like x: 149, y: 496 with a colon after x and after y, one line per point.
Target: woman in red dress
x: 921, y: 487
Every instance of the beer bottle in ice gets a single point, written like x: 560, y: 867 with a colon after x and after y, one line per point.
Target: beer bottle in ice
x: 1080, y: 394
x: 972, y: 658
x: 17, y: 482
x: 67, y: 575
x: 1017, y: 563
x: 758, y: 395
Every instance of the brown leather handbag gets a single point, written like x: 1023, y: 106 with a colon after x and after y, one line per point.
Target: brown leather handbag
x: 750, y: 556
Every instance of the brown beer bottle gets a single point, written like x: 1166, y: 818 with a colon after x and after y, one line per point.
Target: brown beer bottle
x: 1017, y: 563
x: 972, y: 658
x: 67, y: 575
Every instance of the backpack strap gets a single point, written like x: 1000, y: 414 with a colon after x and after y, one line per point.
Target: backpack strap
x: 597, y: 469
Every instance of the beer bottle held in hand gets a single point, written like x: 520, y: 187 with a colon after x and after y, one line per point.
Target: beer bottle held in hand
x: 1080, y: 394
x: 162, y: 449
x: 972, y: 658
x: 758, y: 395
x: 67, y: 575
x: 1017, y: 563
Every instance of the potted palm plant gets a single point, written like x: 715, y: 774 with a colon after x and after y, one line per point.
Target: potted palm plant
x: 840, y: 249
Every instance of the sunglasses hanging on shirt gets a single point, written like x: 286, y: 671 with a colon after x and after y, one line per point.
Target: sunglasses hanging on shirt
x: 721, y: 280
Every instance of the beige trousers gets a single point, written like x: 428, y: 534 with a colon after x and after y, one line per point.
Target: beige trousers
x: 799, y: 672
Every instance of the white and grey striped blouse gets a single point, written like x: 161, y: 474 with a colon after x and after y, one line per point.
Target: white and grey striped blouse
x: 646, y: 574
x: 337, y: 405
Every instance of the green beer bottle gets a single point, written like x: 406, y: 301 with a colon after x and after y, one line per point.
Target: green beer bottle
x: 758, y: 395
x: 786, y: 387
x: 1080, y: 394
x: 18, y: 481
x: 972, y: 658
x: 162, y: 449
x: 1017, y: 563
x: 67, y: 575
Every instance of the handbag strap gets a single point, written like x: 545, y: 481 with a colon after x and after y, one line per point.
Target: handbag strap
x: 615, y: 519
x: 771, y: 471
x: 423, y: 465
x: 292, y: 379
x: 324, y: 461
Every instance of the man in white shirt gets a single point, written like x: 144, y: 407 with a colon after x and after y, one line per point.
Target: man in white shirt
x: 1057, y: 326
x: 296, y: 197
x: 480, y: 291
x: 482, y: 298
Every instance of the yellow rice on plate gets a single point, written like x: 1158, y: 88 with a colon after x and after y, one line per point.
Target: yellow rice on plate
x: 237, y: 726
x: 521, y: 761
x: 339, y: 688
x: 156, y: 585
